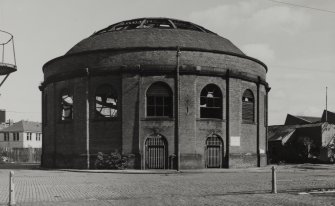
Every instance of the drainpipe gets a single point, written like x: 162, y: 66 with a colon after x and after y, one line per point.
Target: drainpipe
x: 258, y: 142
x: 43, y: 122
x: 177, y: 145
x: 227, y: 118
x: 139, y: 106
x: 87, y: 119
x: 55, y: 124
x: 267, y: 124
x: 326, y: 104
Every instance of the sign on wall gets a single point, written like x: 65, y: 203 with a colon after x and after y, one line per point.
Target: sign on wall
x: 235, y: 141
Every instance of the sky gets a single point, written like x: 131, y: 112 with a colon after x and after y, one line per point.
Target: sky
x: 296, y: 43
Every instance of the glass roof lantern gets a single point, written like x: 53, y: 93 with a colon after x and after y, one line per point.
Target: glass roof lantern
x: 148, y: 23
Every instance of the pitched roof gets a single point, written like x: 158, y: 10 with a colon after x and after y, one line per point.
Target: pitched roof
x: 294, y: 120
x: 24, y: 126
x: 310, y: 119
x: 330, y: 116
x: 279, y: 132
x: 284, y: 132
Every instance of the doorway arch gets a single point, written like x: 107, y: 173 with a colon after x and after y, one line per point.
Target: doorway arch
x: 214, y: 151
x: 156, y: 152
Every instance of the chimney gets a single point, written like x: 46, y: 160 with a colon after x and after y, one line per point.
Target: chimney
x: 2, y: 116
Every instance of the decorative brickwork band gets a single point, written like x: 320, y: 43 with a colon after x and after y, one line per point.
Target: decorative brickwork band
x: 152, y: 70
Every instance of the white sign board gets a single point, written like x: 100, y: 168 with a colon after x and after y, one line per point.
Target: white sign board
x: 235, y: 141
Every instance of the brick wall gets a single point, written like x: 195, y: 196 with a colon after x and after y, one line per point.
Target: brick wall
x: 127, y: 133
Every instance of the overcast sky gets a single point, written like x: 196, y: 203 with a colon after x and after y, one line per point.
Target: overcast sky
x: 297, y: 44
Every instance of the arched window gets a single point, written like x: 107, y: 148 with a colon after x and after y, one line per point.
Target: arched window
x: 211, y: 102
x: 66, y: 106
x: 106, y: 102
x: 159, y: 100
x: 45, y: 109
x: 248, y: 111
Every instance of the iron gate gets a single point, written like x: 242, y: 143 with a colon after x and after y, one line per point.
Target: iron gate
x: 155, y: 153
x: 214, y: 152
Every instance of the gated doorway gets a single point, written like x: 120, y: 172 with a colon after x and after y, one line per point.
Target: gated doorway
x: 214, y: 151
x: 156, y: 152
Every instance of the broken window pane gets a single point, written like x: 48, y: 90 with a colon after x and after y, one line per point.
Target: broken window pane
x: 248, y: 111
x: 67, y: 106
x: 211, y: 102
x: 186, y: 25
x: 106, y: 102
x: 157, y: 23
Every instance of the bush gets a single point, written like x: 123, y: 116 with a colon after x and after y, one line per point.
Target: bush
x: 3, y: 155
x: 113, y: 160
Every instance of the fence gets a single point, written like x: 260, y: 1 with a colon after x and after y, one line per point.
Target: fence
x: 26, y: 155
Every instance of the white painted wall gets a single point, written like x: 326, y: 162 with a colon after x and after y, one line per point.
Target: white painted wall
x: 22, y: 143
x: 31, y: 143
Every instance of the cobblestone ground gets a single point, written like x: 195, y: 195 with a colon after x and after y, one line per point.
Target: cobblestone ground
x: 203, y: 187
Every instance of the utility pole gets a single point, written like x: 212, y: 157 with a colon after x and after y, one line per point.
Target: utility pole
x: 87, y: 118
x: 326, y: 104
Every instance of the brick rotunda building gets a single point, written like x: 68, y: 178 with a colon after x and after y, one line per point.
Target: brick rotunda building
x: 168, y: 93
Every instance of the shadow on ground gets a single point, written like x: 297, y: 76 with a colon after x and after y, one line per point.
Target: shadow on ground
x: 26, y: 166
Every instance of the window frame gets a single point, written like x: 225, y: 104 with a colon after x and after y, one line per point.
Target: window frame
x: 163, y: 102
x: 245, y: 104
x: 6, y: 136
x: 29, y: 136
x: 16, y: 136
x: 64, y: 95
x: 38, y: 137
x: 114, y: 95
x: 211, y: 88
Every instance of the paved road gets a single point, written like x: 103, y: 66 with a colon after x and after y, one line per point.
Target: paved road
x: 209, y: 187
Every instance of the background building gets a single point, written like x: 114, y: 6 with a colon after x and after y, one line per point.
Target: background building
x: 22, y: 141
x: 171, y: 93
x: 303, y: 139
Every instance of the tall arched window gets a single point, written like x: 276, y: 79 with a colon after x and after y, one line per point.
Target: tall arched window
x: 45, y: 109
x: 248, y: 111
x: 66, y: 105
x: 159, y: 100
x: 211, y: 102
x: 106, y: 102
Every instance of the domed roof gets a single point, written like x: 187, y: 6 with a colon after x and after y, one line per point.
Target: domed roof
x: 154, y: 33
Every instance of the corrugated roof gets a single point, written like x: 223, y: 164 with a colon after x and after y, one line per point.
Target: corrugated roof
x: 278, y: 133
x: 24, y: 126
x: 283, y: 132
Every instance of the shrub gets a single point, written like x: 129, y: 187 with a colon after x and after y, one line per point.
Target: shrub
x: 113, y: 160
x: 4, y: 155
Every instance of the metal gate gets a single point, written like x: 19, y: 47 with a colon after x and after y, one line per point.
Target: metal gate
x: 155, y: 152
x: 214, y: 152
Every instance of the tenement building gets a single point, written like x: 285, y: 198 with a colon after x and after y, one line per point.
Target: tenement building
x: 168, y: 93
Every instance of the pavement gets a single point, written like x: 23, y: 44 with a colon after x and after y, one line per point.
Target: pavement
x: 305, y: 184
